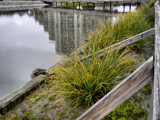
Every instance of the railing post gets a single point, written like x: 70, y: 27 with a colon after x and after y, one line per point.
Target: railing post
x: 155, y: 100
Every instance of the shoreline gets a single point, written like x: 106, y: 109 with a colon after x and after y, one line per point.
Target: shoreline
x: 43, y: 104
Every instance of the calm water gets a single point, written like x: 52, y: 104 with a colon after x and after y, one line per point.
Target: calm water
x: 39, y: 38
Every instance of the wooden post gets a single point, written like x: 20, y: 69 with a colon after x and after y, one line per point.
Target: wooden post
x: 123, y: 7
x: 103, y: 6
x: 67, y: 4
x: 87, y: 4
x: 155, y: 103
x: 125, y: 89
x: 61, y: 4
x: 110, y: 6
x: 93, y: 4
x: 79, y: 5
x: 129, y: 7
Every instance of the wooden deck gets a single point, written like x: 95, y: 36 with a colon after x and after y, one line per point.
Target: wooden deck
x: 93, y: 1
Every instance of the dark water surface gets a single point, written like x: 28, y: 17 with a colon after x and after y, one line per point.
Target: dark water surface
x: 39, y: 38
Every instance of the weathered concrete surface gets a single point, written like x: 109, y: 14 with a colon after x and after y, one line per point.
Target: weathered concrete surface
x: 20, y: 5
x: 9, y: 101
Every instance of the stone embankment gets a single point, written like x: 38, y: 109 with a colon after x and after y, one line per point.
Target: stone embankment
x: 20, y: 5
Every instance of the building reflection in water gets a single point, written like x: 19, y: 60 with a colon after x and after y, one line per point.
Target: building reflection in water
x: 67, y: 27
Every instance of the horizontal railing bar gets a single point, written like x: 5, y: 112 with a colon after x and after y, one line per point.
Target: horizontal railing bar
x: 125, y: 42
x: 125, y: 89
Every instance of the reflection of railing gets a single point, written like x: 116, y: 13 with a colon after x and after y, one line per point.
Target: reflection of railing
x: 85, y: 12
x: 91, y: 1
x: 135, y: 81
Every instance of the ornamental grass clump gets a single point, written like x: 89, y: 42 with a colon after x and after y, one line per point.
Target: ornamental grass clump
x: 126, y: 26
x: 85, y: 82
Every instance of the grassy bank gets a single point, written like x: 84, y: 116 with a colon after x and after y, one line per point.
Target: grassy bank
x: 87, y: 81
x: 76, y: 85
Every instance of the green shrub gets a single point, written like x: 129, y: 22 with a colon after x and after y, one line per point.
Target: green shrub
x: 127, y: 111
x: 85, y: 82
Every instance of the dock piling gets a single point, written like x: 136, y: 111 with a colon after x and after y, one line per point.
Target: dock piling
x: 93, y: 4
x: 103, y: 6
x: 123, y: 7
x: 79, y: 5
x: 129, y: 7
x: 110, y: 6
x: 87, y: 4
x: 67, y: 4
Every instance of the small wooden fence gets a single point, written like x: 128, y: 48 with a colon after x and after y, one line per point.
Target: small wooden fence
x: 51, y: 2
x: 95, y: 1
x: 138, y: 79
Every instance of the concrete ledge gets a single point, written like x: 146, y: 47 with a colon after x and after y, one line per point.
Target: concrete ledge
x: 8, y: 3
x: 20, y: 5
x: 10, y: 100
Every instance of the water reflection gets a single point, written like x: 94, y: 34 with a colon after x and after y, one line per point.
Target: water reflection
x: 67, y: 27
x: 24, y: 47
x: 37, y: 39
